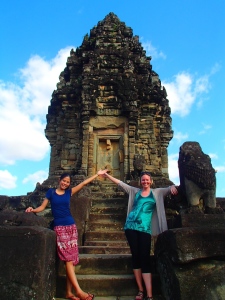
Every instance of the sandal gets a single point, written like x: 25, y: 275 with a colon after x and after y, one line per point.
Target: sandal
x: 89, y: 297
x: 72, y: 298
x: 140, y: 296
x: 149, y: 298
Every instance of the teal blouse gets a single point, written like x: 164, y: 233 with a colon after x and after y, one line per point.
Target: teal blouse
x: 140, y: 216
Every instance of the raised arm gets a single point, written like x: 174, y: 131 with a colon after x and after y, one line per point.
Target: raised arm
x: 113, y: 179
x: 78, y: 187
x: 39, y: 208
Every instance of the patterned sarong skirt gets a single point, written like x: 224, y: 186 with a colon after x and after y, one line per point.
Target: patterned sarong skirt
x: 67, y: 243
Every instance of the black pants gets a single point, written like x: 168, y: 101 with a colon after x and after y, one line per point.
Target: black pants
x: 140, y: 246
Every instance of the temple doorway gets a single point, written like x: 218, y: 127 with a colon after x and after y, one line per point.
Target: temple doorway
x: 109, y: 154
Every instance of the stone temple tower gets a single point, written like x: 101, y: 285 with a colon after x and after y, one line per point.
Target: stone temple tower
x: 109, y: 109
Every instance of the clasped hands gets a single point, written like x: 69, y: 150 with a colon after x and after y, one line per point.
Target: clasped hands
x: 102, y: 172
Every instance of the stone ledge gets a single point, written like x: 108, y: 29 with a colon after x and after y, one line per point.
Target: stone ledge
x: 184, y: 245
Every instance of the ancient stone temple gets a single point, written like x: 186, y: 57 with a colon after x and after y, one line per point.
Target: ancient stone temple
x: 109, y: 109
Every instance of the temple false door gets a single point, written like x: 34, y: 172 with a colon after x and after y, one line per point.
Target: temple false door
x: 109, y: 154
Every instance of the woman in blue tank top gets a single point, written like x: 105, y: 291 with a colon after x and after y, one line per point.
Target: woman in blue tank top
x: 66, y: 230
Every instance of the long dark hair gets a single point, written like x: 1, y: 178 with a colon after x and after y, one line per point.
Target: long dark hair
x: 63, y: 175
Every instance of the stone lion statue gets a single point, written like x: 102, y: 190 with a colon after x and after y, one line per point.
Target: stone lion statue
x: 197, y: 176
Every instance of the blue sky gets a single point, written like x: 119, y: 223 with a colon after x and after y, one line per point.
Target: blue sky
x: 185, y: 39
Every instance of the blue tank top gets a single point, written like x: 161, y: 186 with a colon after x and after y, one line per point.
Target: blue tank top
x: 60, y: 205
x: 140, y: 217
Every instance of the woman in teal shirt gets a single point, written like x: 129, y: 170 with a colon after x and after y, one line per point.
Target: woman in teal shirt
x: 145, y: 217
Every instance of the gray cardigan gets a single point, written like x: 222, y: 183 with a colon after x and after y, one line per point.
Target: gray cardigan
x: 159, y: 223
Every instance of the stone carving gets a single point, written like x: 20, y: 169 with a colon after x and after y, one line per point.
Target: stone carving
x: 139, y: 164
x: 197, y: 176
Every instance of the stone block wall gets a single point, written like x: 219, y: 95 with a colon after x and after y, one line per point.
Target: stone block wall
x: 27, y: 260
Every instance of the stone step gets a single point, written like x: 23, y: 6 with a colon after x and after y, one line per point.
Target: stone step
x: 105, y: 285
x: 106, y: 243
x: 109, y: 210
x: 108, y: 194
x: 101, y: 285
x: 104, y: 227
x: 107, y: 218
x: 104, y: 236
x: 104, y: 250
x: 110, y: 202
x: 105, y: 264
x: 156, y: 297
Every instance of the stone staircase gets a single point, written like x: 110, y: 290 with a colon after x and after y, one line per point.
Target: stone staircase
x: 105, y: 260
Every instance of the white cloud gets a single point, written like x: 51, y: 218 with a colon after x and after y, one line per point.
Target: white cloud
x: 152, y: 51
x: 202, y: 85
x: 7, y: 180
x: 184, y: 91
x: 206, y: 128
x: 23, y: 109
x: 173, y: 168
x: 180, y: 94
x: 38, y: 176
x: 40, y: 78
x: 220, y: 169
x: 179, y: 136
x: 215, y: 68
x: 213, y: 156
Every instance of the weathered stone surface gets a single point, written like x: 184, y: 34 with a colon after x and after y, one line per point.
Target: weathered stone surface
x: 221, y: 202
x: 11, y: 217
x: 14, y: 202
x: 27, y: 260
x: 213, y: 221
x: 184, y: 245
x: 203, y: 279
x: 80, y: 208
